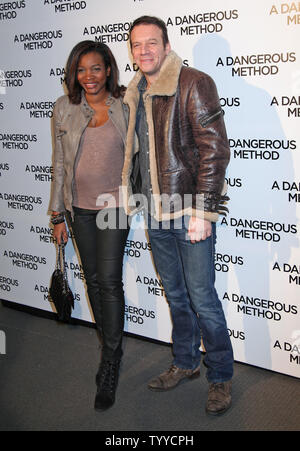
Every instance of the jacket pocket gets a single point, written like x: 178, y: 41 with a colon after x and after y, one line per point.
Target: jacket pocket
x: 207, y: 119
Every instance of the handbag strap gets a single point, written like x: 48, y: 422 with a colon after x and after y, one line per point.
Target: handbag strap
x: 64, y: 262
x: 58, y: 258
x: 61, y: 261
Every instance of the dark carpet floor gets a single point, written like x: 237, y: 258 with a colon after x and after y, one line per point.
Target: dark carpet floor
x: 47, y: 383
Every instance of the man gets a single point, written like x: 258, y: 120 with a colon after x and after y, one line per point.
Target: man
x: 179, y: 168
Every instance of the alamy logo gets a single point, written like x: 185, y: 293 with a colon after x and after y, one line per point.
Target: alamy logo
x: 2, y: 342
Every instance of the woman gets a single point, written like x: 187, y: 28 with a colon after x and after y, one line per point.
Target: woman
x: 90, y: 128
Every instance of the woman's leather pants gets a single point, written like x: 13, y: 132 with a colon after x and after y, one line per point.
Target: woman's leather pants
x: 101, y: 253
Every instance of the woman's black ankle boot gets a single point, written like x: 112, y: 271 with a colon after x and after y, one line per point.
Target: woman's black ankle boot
x: 107, y: 381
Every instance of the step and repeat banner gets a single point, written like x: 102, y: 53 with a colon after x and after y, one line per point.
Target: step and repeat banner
x: 252, y: 50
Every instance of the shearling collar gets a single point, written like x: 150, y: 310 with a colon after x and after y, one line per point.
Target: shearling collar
x: 165, y: 85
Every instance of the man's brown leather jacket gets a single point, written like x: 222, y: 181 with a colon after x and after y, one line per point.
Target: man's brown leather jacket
x: 188, y: 145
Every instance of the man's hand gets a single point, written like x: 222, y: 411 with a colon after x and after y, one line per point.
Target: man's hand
x: 199, y: 229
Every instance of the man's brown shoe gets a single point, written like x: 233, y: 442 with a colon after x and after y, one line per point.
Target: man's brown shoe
x: 219, y: 398
x: 172, y: 377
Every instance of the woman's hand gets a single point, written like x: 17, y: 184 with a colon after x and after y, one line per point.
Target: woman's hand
x: 60, y: 233
x: 199, y: 229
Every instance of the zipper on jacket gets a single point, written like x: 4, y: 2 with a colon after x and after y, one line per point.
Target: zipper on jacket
x: 209, y: 118
x: 61, y: 133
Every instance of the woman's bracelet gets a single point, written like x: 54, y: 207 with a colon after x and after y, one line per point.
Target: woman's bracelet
x: 58, y: 219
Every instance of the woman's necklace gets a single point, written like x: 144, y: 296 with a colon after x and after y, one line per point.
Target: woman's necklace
x: 100, y: 116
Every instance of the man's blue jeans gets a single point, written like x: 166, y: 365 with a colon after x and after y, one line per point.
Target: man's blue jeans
x: 188, y: 275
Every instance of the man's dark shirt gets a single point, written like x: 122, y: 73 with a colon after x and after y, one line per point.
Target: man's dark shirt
x: 142, y: 132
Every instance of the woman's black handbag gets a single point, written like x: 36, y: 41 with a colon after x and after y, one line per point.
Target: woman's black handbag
x: 60, y: 291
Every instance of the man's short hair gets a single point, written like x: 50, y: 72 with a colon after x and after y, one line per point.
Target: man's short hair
x: 151, y: 20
